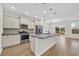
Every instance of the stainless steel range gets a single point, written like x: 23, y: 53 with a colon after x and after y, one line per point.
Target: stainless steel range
x: 24, y: 37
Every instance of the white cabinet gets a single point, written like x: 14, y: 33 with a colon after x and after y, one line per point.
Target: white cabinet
x: 1, y: 28
x: 31, y: 25
x: 9, y: 40
x: 11, y: 26
x: 23, y: 20
x: 40, y: 46
x: 26, y: 21
x: 11, y: 22
x: 45, y: 27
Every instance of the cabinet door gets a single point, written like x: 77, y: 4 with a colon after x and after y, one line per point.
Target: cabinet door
x: 10, y: 40
x: 11, y: 22
x: 23, y: 21
x: 30, y: 25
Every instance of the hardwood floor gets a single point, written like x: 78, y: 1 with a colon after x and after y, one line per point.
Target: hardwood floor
x: 65, y: 47
x: 18, y: 50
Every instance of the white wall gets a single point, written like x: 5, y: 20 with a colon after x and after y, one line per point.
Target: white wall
x: 68, y: 32
x: 51, y: 27
x: 45, y: 27
x: 68, y: 28
x: 1, y: 27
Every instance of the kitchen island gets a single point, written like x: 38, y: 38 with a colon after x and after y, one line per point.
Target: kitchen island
x: 40, y: 43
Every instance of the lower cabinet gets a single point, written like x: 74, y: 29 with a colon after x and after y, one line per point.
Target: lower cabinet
x: 10, y: 40
x: 40, y: 46
x: 0, y: 43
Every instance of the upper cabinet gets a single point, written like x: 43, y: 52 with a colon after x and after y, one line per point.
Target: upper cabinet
x: 23, y: 21
x: 1, y: 19
x: 11, y: 22
x: 31, y: 25
x: 26, y: 21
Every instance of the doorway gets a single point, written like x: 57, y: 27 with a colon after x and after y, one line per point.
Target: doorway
x: 60, y: 30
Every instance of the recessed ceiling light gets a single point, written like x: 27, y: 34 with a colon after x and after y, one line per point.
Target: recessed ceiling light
x: 36, y: 16
x: 13, y: 7
x: 26, y: 13
x: 72, y: 25
x: 44, y: 11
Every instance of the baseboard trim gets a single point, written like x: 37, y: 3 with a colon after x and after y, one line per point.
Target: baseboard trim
x: 71, y: 38
x: 12, y: 45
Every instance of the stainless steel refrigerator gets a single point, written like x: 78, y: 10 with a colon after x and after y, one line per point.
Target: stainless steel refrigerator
x: 39, y: 29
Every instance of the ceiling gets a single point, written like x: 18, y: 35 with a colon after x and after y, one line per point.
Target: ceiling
x: 46, y: 11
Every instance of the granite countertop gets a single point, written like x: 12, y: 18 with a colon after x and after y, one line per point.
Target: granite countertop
x: 43, y: 36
